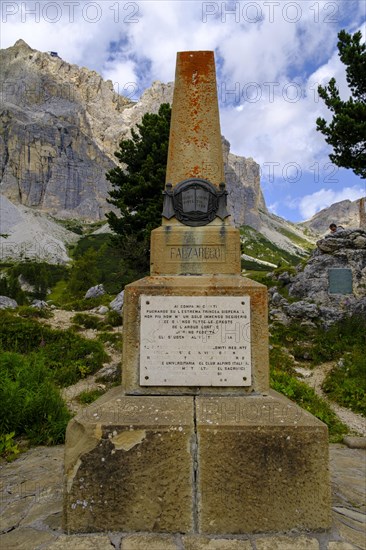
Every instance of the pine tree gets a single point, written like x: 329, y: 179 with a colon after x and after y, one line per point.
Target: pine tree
x: 347, y: 130
x: 137, y: 187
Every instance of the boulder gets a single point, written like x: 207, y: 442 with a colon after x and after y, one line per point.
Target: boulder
x: 117, y: 303
x: 102, y: 310
x: 40, y: 304
x: 7, y: 303
x: 302, y: 310
x: 95, y: 291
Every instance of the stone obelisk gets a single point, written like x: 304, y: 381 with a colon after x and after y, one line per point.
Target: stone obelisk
x: 194, y: 441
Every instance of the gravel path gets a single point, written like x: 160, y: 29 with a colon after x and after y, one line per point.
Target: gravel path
x: 314, y: 378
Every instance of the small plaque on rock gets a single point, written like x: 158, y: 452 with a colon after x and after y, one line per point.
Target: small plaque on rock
x: 340, y: 281
x: 195, y: 341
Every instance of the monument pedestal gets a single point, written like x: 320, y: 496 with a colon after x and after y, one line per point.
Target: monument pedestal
x: 194, y: 441
x: 210, y: 465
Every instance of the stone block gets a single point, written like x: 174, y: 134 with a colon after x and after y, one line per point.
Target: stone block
x: 183, y: 250
x: 151, y: 542
x: 204, y: 543
x: 287, y: 543
x: 128, y: 465
x: 223, y: 285
x: 263, y: 466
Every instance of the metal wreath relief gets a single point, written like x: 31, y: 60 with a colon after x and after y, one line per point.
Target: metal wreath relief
x: 195, y: 202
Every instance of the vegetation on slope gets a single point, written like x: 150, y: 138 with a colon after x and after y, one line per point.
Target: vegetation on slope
x: 257, y: 246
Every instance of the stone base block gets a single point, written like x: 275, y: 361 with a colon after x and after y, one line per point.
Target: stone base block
x: 128, y: 465
x: 263, y: 466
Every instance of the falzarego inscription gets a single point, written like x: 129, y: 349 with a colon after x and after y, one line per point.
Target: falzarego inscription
x: 195, y: 341
x: 196, y: 254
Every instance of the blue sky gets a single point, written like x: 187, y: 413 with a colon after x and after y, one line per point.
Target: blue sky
x: 270, y: 56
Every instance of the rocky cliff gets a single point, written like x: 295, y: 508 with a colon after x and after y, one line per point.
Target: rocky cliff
x: 60, y: 126
x: 318, y: 299
x: 345, y: 213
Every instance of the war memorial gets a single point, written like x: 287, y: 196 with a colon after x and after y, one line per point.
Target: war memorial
x: 194, y: 440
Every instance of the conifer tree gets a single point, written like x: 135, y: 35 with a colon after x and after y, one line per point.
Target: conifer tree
x: 347, y: 130
x: 138, y: 185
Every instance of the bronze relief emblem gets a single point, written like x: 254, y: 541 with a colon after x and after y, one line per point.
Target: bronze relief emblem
x: 195, y: 202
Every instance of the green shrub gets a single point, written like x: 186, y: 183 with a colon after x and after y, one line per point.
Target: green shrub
x: 322, y: 344
x: 30, y: 403
x: 10, y: 286
x: 112, y: 338
x: 8, y: 447
x: 305, y: 397
x: 113, y: 318
x: 347, y: 384
x: 88, y: 396
x: 283, y: 379
x: 34, y: 312
x: 65, y: 353
x: 87, y: 321
x: 40, y: 275
x: 84, y: 304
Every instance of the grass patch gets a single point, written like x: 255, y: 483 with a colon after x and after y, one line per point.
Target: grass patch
x: 296, y: 239
x: 88, y: 396
x: 29, y: 312
x: 108, y: 260
x: 85, y: 304
x: 67, y: 356
x: 257, y: 245
x: 30, y: 403
x: 87, y: 321
x: 283, y: 379
x: 305, y: 397
x: 346, y: 384
x: 320, y: 344
x: 112, y: 338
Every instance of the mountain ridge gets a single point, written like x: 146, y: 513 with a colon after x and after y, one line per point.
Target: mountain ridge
x: 60, y: 127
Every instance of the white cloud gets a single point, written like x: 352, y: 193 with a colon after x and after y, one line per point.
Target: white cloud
x: 268, y: 71
x: 311, y: 204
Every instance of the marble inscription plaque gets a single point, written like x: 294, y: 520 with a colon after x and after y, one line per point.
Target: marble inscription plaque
x: 195, y: 341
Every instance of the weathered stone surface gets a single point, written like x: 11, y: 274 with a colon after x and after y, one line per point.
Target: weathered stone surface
x: 355, y: 442
x: 7, y: 303
x: 39, y: 304
x: 339, y: 250
x: 344, y: 213
x: 31, y: 235
x: 302, y: 310
x: 82, y: 543
x: 263, y: 466
x: 180, y: 250
x: 150, y: 542
x: 128, y: 465
x: 39, y: 472
x: 25, y: 539
x: 195, y: 148
x: 336, y: 545
x: 102, y: 310
x: 205, y: 543
x: 220, y: 285
x: 287, y: 543
x: 95, y: 291
x: 117, y: 303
